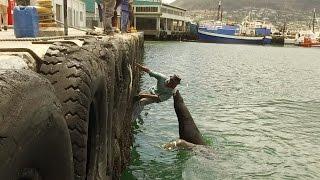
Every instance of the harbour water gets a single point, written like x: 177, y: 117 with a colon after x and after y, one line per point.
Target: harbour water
x: 258, y: 108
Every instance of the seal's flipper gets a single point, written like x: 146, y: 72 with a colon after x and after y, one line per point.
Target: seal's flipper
x: 179, y: 144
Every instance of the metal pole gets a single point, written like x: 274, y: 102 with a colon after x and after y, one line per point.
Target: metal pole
x: 65, y: 14
x: 219, y: 8
x: 314, y: 19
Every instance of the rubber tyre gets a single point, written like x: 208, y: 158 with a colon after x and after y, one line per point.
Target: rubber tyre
x: 79, y: 82
x: 34, y: 139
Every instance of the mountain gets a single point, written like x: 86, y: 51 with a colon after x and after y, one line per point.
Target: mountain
x: 300, y: 5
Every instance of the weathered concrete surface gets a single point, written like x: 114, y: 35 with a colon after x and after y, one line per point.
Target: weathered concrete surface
x: 12, y: 62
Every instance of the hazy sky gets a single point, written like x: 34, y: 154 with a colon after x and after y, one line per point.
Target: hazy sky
x: 168, y: 1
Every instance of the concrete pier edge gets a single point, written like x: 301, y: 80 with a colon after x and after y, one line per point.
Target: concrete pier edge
x: 123, y: 51
x: 87, y: 73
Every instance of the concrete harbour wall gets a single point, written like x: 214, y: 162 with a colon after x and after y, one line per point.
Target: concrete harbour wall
x: 123, y: 85
x: 94, y: 80
x: 119, y: 53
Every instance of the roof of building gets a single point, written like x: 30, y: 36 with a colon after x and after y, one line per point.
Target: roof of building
x: 147, y: 2
x: 156, y: 3
x: 168, y: 5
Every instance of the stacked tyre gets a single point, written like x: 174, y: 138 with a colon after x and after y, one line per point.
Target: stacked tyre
x: 34, y: 141
x: 79, y: 81
x: 54, y: 122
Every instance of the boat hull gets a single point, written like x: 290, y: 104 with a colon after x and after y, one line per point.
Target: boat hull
x: 229, y: 39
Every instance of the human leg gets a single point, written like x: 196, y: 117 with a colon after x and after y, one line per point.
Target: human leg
x: 3, y: 17
x: 147, y: 101
x: 124, y: 16
x: 0, y: 20
x: 124, y: 21
x: 131, y: 13
x: 100, y: 8
x: 5, y: 21
x: 109, y: 7
x: 144, y: 95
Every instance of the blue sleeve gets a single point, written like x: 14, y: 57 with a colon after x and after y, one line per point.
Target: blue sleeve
x: 157, y: 75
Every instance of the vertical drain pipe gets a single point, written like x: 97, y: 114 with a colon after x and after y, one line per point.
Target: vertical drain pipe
x: 65, y: 16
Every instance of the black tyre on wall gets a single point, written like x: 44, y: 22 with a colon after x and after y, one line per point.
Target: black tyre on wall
x: 34, y: 139
x: 79, y: 81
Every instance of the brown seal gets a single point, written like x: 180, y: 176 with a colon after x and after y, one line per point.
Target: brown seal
x: 188, y: 130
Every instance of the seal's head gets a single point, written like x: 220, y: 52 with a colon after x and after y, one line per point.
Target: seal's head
x: 177, y: 97
x: 173, y: 81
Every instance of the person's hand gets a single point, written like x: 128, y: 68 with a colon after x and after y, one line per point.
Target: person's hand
x: 143, y: 68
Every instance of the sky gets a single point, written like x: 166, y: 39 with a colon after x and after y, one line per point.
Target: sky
x: 168, y: 1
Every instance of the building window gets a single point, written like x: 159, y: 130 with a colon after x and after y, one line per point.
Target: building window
x: 58, y: 12
x: 70, y: 16
x: 154, y: 9
x: 146, y: 9
x: 172, y: 11
x: 146, y: 23
x: 81, y: 16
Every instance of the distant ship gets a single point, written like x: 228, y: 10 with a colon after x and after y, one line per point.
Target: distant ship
x: 309, y: 38
x: 248, y: 32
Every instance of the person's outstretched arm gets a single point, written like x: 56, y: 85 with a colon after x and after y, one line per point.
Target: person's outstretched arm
x: 151, y: 73
x: 143, y: 68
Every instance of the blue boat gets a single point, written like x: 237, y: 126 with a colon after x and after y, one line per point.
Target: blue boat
x: 249, y: 32
x: 224, y: 36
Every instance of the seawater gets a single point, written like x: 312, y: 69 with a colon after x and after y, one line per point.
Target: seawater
x: 258, y: 108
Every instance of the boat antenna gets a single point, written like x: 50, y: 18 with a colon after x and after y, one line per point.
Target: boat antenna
x: 284, y: 28
x: 314, y: 19
x: 219, y: 9
x: 221, y: 14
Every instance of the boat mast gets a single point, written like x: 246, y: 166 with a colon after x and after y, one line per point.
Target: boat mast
x: 219, y: 9
x: 221, y: 14
x: 284, y: 30
x: 314, y: 19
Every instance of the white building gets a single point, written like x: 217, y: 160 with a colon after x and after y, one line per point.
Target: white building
x: 154, y: 17
x: 76, y: 12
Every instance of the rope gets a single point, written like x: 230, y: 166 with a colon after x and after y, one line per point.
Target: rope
x: 47, y: 38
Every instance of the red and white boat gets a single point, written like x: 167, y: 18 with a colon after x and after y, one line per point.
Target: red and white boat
x: 307, y: 39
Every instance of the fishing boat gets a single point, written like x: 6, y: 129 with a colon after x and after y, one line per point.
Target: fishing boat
x: 308, y: 38
x: 248, y: 32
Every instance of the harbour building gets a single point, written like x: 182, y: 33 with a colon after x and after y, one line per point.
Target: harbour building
x: 158, y: 19
x: 92, y: 14
x: 76, y: 12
